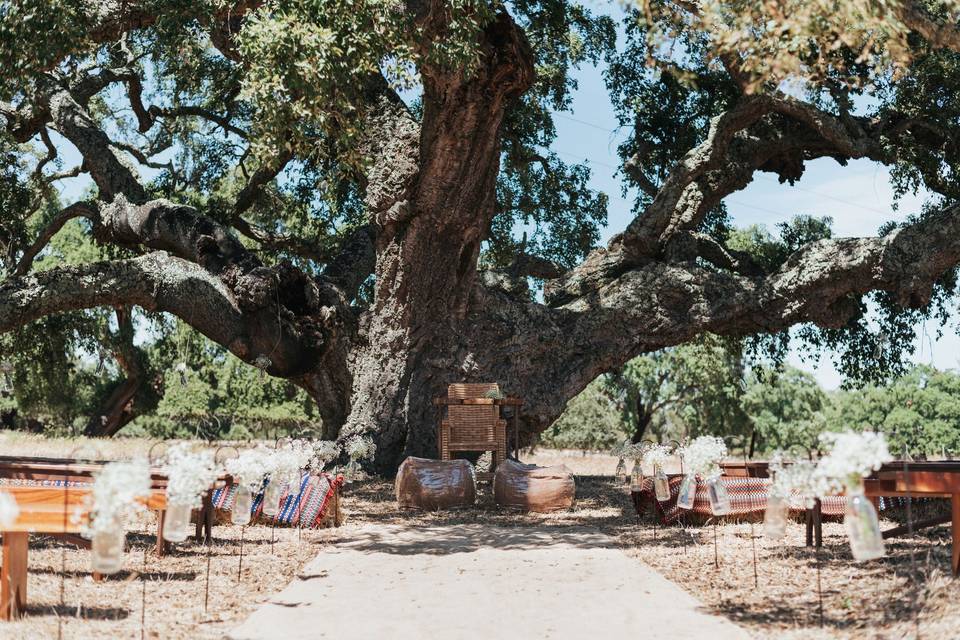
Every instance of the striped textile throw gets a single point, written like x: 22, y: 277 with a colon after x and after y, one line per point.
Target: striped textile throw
x: 305, y: 503
x: 747, y: 496
x: 26, y: 482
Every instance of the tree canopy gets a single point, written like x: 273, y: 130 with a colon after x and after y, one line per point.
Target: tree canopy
x: 784, y: 411
x: 359, y: 197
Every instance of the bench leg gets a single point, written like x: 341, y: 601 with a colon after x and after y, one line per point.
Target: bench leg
x: 13, y: 575
x: 161, y: 549
x: 208, y: 517
x: 201, y: 520
x: 818, y: 521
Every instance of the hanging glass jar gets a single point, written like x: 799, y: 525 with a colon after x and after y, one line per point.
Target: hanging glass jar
x: 350, y: 472
x: 176, y: 519
x: 621, y: 473
x: 661, y: 485
x: 775, y: 517
x: 272, y: 495
x: 688, y: 492
x: 863, y: 529
x: 636, y: 477
x: 719, y: 498
x: 106, y: 549
x: 295, y: 482
x: 242, y: 505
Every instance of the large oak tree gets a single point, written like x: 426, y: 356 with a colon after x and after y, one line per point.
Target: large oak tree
x: 358, y: 195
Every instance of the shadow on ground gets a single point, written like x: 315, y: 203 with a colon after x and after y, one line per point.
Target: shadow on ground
x: 775, y: 597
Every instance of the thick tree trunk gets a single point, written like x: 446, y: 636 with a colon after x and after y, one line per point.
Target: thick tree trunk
x: 116, y: 411
x: 427, y: 249
x: 644, y: 418
x: 132, y: 395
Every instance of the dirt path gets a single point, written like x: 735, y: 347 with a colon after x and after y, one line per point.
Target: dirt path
x: 453, y: 581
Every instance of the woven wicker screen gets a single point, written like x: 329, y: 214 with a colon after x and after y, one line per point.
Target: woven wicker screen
x: 472, y: 423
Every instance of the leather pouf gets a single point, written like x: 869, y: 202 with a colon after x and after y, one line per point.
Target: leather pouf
x: 533, y: 488
x: 435, y: 484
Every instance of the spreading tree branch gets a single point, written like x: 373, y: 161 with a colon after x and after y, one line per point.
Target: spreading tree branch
x: 75, y: 210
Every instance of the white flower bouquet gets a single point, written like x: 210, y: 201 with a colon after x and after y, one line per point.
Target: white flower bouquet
x: 621, y: 450
x: 117, y: 492
x: 324, y: 452
x: 250, y: 466
x: 190, y: 472
x: 359, y: 447
x: 702, y: 456
x: 289, y: 460
x: 657, y: 456
x: 852, y: 457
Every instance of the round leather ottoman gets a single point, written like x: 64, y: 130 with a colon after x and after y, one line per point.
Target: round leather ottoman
x: 532, y: 488
x: 435, y: 484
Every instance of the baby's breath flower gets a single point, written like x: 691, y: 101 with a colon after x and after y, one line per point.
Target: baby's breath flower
x: 703, y: 455
x: 190, y: 472
x: 117, y: 490
x: 656, y: 455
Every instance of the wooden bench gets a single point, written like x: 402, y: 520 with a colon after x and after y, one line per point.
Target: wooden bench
x: 37, y: 469
x: 937, y: 479
x: 47, y: 510
x: 43, y: 510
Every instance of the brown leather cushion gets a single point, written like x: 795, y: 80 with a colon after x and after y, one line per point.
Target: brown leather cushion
x: 533, y: 488
x: 435, y: 484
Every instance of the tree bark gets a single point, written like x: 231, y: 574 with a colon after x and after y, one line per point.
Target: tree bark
x: 430, y: 187
x: 427, y: 246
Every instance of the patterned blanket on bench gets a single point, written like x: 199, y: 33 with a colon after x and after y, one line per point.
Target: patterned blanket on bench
x: 304, y: 504
x: 309, y: 501
x: 747, y: 496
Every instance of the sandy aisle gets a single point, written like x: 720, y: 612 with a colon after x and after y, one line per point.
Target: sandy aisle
x: 480, y: 581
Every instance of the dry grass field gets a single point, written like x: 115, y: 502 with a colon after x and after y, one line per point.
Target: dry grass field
x: 910, y: 590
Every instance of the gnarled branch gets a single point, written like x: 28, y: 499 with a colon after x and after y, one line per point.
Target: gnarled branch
x: 75, y: 210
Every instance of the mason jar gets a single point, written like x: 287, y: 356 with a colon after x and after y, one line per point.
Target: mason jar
x: 775, y: 517
x: 636, y: 477
x: 863, y: 528
x: 176, y: 520
x: 106, y: 549
x: 688, y: 492
x: 719, y: 498
x: 242, y: 505
x: 621, y: 473
x: 661, y: 484
x: 272, y: 496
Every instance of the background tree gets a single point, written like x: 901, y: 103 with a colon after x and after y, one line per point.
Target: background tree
x: 697, y: 384
x: 786, y: 409
x: 590, y: 421
x: 255, y: 173
x: 920, y: 411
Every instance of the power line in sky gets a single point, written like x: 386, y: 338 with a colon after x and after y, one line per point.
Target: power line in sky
x: 584, y: 159
x: 584, y: 122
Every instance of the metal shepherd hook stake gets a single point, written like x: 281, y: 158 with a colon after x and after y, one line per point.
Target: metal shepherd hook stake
x: 240, y: 563
x: 206, y: 595
x: 151, y: 461
x: 75, y: 458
